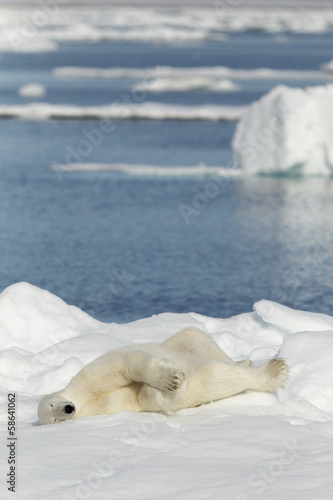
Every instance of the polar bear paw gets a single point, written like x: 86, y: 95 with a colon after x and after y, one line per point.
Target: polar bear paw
x: 168, y: 376
x: 245, y: 362
x: 277, y: 372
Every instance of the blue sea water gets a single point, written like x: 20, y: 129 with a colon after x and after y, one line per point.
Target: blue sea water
x: 124, y: 247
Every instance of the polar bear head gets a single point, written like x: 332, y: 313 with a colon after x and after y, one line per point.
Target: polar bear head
x: 53, y: 409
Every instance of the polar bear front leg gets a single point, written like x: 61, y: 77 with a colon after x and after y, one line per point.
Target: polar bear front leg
x: 163, y: 373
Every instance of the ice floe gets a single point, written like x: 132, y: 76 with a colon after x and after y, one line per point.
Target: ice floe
x: 215, y: 73
x: 187, y: 84
x: 32, y: 90
x: 123, y: 111
x: 146, y: 170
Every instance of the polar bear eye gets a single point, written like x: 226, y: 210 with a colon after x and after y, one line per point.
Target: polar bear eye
x: 51, y: 405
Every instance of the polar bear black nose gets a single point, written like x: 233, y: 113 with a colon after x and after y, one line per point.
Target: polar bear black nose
x: 69, y: 408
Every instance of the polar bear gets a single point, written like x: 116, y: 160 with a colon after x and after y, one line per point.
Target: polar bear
x: 186, y: 370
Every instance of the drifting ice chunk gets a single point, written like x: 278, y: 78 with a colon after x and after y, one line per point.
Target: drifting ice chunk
x: 187, y: 83
x: 32, y: 90
x: 288, y: 131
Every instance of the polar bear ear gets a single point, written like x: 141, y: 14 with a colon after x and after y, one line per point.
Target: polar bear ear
x: 39, y: 399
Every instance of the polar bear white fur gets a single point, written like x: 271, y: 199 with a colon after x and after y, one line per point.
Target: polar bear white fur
x: 186, y: 370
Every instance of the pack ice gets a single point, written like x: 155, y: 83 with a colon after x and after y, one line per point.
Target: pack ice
x: 287, y: 131
x: 251, y: 446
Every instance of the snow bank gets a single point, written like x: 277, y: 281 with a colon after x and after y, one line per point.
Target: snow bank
x: 251, y: 445
x: 120, y: 111
x: 288, y: 131
x: 292, y: 321
x: 32, y: 90
x: 310, y: 373
x: 34, y: 320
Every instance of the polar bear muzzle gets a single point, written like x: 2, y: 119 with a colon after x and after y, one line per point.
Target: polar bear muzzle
x: 62, y: 410
x: 69, y: 409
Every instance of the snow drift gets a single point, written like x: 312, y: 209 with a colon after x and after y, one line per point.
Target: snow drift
x: 248, y: 445
x: 288, y: 131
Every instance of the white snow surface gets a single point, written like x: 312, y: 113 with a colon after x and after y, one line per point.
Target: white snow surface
x: 251, y: 446
x: 289, y: 131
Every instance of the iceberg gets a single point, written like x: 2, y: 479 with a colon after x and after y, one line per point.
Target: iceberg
x: 288, y: 131
x: 44, y: 341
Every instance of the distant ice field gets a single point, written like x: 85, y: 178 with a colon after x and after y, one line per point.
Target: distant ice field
x: 268, y: 59
x: 41, y: 27
x: 124, y: 246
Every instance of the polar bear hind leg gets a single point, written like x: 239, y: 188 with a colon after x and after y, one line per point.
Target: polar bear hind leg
x: 217, y: 380
x: 210, y: 374
x: 213, y: 380
x: 192, y: 342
